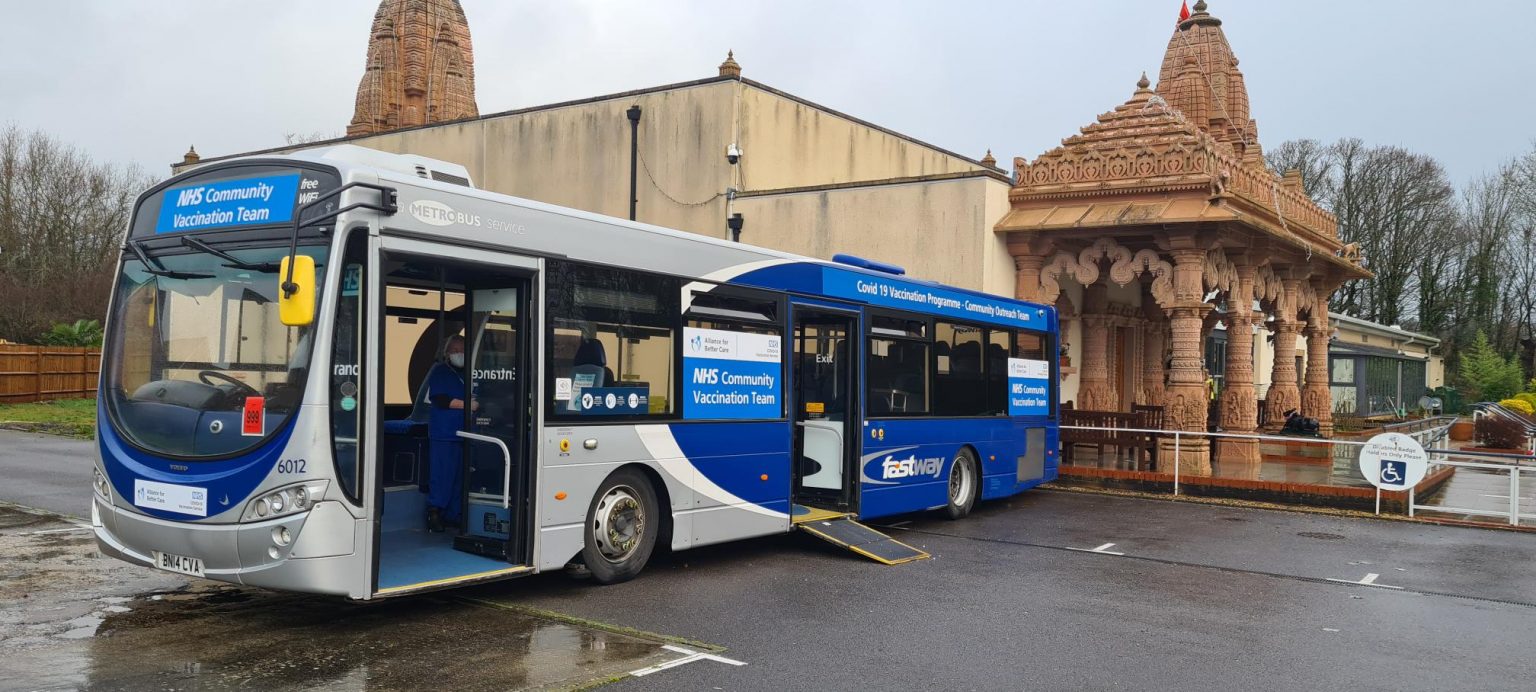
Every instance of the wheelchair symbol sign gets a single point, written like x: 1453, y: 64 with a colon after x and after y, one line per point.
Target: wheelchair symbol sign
x: 1393, y: 461
x: 1393, y: 472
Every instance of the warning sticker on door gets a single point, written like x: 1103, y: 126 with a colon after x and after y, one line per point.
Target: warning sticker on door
x: 253, y: 423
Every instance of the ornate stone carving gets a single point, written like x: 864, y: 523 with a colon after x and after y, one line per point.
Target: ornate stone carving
x: 1154, y: 349
x: 1083, y: 267
x: 1266, y: 285
x: 1219, y: 272
x: 1094, y: 392
x: 420, y: 67
x: 1283, y: 394
x: 1317, y: 394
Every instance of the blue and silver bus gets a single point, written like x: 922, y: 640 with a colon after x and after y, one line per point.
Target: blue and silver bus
x: 283, y: 403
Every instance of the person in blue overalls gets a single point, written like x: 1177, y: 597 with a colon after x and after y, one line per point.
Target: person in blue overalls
x: 445, y: 390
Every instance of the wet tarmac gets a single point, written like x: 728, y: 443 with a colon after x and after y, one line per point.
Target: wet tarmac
x: 72, y: 620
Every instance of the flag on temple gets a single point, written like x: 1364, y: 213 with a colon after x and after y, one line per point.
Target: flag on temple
x: 1184, y: 11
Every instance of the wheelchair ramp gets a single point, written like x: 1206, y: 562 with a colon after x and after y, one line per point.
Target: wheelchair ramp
x: 844, y: 532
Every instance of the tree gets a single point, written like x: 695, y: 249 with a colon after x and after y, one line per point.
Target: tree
x: 78, y: 333
x: 62, y: 216
x: 1487, y: 375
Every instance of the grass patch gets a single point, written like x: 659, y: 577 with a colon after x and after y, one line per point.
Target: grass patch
x: 69, y: 417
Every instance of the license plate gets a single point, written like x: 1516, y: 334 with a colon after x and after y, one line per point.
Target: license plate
x: 179, y: 563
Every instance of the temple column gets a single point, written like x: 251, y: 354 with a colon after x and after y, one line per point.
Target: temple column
x: 1283, y: 393
x: 1239, y: 400
x: 1093, y: 390
x: 1186, y: 407
x: 1027, y: 276
x: 1317, y: 396
x: 1154, y: 347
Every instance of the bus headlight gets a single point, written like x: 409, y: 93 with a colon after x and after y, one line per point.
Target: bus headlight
x: 286, y: 500
x: 103, y: 489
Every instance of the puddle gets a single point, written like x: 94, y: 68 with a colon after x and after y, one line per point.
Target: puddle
x: 77, y: 621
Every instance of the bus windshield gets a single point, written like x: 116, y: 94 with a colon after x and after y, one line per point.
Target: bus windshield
x: 199, y: 364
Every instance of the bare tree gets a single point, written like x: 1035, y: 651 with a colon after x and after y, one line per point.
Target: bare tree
x: 1309, y: 157
x: 292, y: 138
x: 62, y: 216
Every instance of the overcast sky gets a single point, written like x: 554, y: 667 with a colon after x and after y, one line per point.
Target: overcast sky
x: 140, y: 81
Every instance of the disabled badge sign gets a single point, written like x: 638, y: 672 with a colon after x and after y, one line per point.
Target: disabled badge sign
x: 1393, y: 461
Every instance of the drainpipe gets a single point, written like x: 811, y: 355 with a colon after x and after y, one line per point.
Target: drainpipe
x: 634, y: 157
x: 734, y: 223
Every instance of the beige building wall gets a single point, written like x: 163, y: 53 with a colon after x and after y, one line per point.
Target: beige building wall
x: 578, y: 155
x: 934, y: 229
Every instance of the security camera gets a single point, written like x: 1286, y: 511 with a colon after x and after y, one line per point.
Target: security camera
x: 732, y: 154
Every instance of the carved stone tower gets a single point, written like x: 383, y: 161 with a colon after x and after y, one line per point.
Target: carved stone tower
x: 420, y: 67
x: 1199, y: 77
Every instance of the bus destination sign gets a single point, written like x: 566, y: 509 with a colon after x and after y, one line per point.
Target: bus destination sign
x: 254, y: 201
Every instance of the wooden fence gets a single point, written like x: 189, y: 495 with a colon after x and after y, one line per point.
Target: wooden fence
x: 38, y: 373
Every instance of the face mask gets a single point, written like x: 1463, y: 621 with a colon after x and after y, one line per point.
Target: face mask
x: 456, y: 360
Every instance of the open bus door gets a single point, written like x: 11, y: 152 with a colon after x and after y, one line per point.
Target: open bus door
x: 824, y: 354
x: 465, y: 440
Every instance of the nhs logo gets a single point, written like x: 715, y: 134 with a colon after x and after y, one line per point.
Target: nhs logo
x: 706, y: 376
x: 189, y: 196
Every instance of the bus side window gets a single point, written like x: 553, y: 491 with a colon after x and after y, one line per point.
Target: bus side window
x: 611, y: 329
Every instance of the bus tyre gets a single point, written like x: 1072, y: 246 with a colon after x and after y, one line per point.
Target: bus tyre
x: 622, y: 523
x: 963, y: 482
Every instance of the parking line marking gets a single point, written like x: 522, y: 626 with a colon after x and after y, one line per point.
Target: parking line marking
x: 1369, y: 580
x: 76, y: 527
x: 1102, y: 550
x: 689, y: 656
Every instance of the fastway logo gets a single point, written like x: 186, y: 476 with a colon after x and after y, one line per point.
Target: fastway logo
x: 911, y: 466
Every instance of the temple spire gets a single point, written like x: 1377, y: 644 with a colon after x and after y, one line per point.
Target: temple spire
x: 420, y: 67
x: 1200, y: 79
x: 730, y: 68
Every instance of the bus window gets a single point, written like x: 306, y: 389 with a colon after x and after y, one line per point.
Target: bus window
x: 347, y: 365
x: 897, y: 375
x: 611, y: 342
x: 957, y: 378
x: 999, y: 344
x: 1030, y: 346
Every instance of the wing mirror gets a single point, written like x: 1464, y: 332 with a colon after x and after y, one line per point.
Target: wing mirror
x: 296, y: 300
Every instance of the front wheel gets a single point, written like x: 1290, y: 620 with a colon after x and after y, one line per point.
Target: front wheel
x: 622, y: 524
x: 963, y: 481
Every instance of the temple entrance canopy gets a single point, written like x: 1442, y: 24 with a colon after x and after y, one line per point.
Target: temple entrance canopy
x: 1159, y: 225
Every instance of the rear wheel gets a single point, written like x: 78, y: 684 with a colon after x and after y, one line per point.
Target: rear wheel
x: 622, y: 524
x: 963, y: 482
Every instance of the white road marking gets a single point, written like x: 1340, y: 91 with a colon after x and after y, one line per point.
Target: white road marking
x: 76, y: 527
x: 1329, y: 629
x: 689, y: 656
x: 1369, y: 580
x: 1102, y: 550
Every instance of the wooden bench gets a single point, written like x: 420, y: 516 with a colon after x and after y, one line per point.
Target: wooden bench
x: 1119, y: 431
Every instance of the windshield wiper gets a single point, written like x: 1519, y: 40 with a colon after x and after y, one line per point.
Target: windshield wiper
x: 235, y: 262
x: 153, y: 266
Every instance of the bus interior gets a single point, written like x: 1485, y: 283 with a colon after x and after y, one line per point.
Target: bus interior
x: 427, y: 302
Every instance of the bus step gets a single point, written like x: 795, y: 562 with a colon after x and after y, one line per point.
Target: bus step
x: 844, y: 532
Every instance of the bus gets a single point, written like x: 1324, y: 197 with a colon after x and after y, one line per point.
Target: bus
x: 280, y: 397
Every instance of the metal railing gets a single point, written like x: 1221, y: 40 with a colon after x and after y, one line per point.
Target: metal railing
x: 1516, y: 464
x: 1431, y: 433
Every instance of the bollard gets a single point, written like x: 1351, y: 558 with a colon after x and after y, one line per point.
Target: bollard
x: 1175, y: 462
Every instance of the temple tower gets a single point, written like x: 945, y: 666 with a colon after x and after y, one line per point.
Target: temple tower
x: 420, y: 67
x: 1200, y: 79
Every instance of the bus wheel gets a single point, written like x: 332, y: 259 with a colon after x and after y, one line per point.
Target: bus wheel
x: 962, y: 485
x: 622, y: 523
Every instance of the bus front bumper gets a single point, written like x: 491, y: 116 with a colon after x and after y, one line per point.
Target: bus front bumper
x: 323, y: 559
